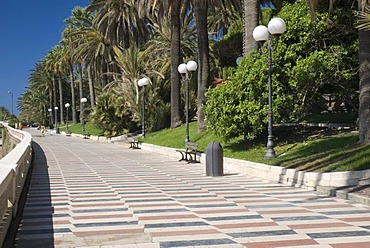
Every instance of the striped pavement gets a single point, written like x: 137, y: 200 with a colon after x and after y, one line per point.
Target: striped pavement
x: 85, y: 193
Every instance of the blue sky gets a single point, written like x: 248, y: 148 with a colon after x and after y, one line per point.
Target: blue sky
x: 28, y: 30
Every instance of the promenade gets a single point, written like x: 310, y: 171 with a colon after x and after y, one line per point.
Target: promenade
x: 85, y: 193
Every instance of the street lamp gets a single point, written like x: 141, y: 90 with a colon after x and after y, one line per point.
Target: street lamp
x: 184, y: 69
x: 261, y: 33
x: 83, y: 101
x: 11, y: 93
x: 67, y: 105
x: 56, y: 119
x: 142, y: 83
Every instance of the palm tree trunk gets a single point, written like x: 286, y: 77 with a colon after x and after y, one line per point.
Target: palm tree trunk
x: 175, y: 61
x: 80, y: 85
x: 364, y: 74
x: 91, y: 86
x: 73, y: 99
x: 250, y: 21
x: 55, y: 98
x: 200, y: 11
x: 60, y: 98
x: 50, y: 113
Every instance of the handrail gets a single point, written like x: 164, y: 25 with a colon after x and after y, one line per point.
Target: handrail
x: 14, y: 168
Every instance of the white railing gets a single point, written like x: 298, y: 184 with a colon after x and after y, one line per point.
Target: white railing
x: 13, y: 172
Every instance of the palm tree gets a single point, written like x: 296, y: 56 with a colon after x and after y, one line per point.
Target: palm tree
x: 250, y: 21
x: 364, y: 76
x: 176, y: 10
x: 120, y: 21
x: 67, y: 42
x: 200, y: 8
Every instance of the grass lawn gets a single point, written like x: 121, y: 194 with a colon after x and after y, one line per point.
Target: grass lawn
x: 77, y: 128
x: 302, y: 148
x: 308, y: 149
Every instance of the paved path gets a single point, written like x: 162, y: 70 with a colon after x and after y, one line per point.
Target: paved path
x: 89, y: 194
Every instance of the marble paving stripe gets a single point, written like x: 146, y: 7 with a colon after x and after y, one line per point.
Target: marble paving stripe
x: 176, y: 224
x: 39, y: 216
x: 193, y: 196
x: 244, y: 225
x: 262, y: 233
x: 106, y: 204
x: 299, y: 218
x: 103, y: 216
x: 357, y: 219
x: 170, y: 217
x: 183, y: 233
x: 283, y: 243
x: 313, y: 201
x: 160, y: 196
x: 108, y: 232
x: 156, y: 211
x: 87, y: 186
x: 150, y: 205
x: 148, y: 200
x: 332, y: 206
x: 319, y: 225
x: 36, y: 197
x: 92, y: 192
x: 203, y: 200
x: 269, y: 201
x: 137, y: 192
x: 346, y: 212
x: 46, y: 204
x: 352, y: 244
x: 283, y: 211
x: 176, y: 189
x: 105, y: 224
x: 237, y: 217
x: 246, y: 196
x: 47, y: 222
x: 211, y: 205
x: 99, y: 210
x: 270, y: 206
x: 191, y: 243
x: 45, y: 231
x: 294, y: 197
x: 220, y: 211
x: 95, y: 200
x: 324, y: 235
x: 93, y: 195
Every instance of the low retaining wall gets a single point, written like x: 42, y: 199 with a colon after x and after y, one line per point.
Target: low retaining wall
x: 14, y: 168
x: 292, y: 177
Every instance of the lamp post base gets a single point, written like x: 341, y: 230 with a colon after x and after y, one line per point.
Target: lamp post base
x: 270, y: 153
x: 270, y: 147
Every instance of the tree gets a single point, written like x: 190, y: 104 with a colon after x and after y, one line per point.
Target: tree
x: 200, y: 11
x: 321, y: 59
x: 364, y: 75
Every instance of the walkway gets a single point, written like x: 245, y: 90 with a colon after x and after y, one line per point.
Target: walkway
x: 89, y: 194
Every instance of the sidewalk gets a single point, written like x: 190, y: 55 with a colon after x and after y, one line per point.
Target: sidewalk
x: 91, y: 194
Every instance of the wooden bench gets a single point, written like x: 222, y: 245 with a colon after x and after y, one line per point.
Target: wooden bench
x: 190, y: 153
x: 134, y: 144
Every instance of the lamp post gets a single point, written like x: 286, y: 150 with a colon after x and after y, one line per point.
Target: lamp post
x: 56, y: 119
x: 184, y: 69
x: 11, y: 93
x: 142, y: 83
x: 261, y: 33
x: 83, y: 101
x: 67, y: 105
